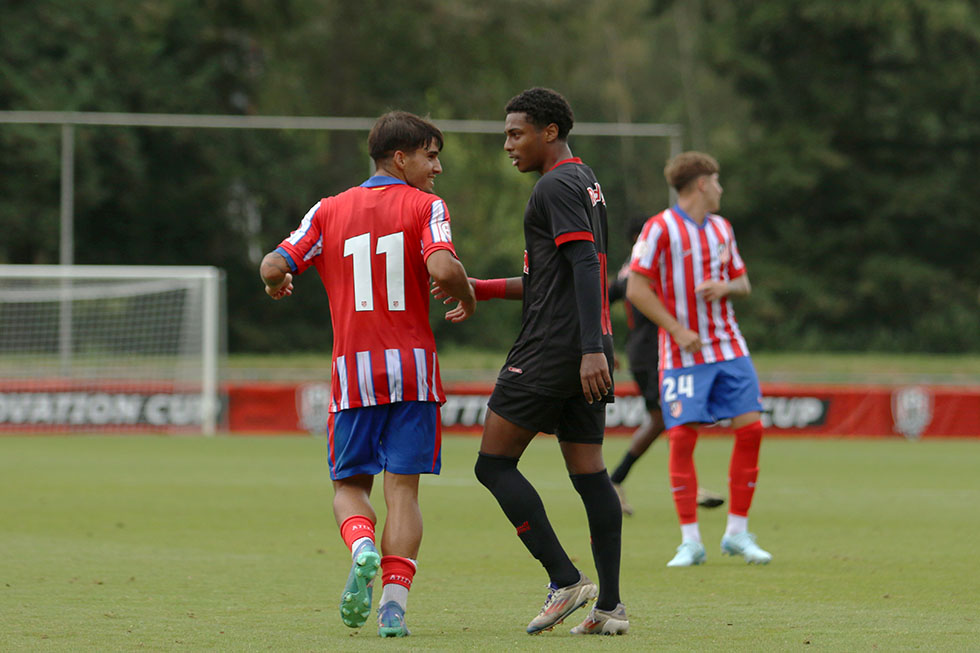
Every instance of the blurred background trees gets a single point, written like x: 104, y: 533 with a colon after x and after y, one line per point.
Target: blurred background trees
x: 848, y: 133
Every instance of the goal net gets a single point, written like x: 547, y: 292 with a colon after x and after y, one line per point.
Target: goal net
x: 110, y: 348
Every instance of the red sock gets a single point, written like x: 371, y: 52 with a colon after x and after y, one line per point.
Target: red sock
x: 683, y: 477
x: 744, y: 468
x: 356, y: 527
x: 397, y: 570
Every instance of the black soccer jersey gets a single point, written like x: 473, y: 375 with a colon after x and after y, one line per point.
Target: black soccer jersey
x: 641, y: 343
x: 566, y: 205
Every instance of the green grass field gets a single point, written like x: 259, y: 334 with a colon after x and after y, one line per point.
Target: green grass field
x: 228, y: 544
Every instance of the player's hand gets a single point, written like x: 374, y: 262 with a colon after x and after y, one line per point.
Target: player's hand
x: 596, y: 380
x: 688, y: 340
x: 712, y: 289
x: 463, y: 311
x: 439, y: 292
x: 284, y: 289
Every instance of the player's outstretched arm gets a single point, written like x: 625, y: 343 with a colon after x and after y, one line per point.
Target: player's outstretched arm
x: 276, y: 276
x: 449, y: 275
x: 645, y: 300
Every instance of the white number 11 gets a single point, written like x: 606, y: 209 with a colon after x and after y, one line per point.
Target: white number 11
x: 359, y: 249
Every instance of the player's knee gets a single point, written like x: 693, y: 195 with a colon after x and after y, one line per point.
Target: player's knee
x: 489, y: 469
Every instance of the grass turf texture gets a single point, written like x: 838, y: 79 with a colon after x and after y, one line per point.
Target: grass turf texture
x: 176, y: 543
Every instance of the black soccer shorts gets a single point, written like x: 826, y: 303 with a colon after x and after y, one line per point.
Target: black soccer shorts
x: 572, y: 419
x: 649, y: 384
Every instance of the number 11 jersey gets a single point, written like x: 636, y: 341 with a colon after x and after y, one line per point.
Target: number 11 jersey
x: 369, y: 245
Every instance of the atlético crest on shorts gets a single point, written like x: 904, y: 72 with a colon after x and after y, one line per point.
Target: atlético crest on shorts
x: 676, y: 409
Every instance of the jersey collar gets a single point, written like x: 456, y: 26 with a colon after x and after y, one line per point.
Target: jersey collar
x: 684, y: 216
x: 574, y: 159
x: 382, y: 180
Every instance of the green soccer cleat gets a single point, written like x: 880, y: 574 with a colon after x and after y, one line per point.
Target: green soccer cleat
x: 391, y: 621
x: 744, y: 545
x: 561, y: 602
x: 689, y: 554
x: 355, y: 602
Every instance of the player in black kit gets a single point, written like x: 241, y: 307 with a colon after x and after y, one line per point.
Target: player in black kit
x: 557, y: 378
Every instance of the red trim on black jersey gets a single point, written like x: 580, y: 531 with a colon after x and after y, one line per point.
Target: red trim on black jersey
x: 574, y: 159
x: 606, y: 317
x: 574, y: 235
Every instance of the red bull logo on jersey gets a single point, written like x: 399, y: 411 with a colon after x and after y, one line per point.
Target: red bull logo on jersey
x: 595, y: 194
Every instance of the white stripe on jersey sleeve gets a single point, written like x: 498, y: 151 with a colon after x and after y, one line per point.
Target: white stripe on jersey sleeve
x: 393, y: 363
x: 420, y: 375
x: 437, y: 216
x: 341, y: 376
x: 304, y: 226
x: 365, y: 379
x: 315, y: 250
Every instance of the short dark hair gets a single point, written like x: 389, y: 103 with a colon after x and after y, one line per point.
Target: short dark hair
x: 688, y: 166
x: 401, y: 131
x: 544, y: 106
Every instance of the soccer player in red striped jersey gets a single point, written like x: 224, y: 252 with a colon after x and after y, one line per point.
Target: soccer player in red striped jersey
x: 375, y: 247
x: 685, y: 267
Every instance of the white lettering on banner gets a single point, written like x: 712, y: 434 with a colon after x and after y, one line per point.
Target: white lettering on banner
x: 464, y: 410
x: 313, y: 405
x: 793, y: 412
x: 626, y: 411
x: 99, y: 408
x: 471, y: 410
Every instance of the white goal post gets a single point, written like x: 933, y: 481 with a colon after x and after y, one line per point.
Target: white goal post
x: 110, y: 348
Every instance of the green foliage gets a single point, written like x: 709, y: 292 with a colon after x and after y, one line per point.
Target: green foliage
x: 858, y: 171
x: 849, y: 134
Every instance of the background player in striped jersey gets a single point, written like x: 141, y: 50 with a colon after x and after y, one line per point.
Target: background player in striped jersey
x: 641, y: 350
x: 684, y: 268
x: 375, y: 247
x: 557, y: 377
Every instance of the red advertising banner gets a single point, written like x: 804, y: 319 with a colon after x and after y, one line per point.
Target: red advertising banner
x: 789, y: 410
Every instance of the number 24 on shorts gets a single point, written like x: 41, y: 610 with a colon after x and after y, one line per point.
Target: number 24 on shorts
x: 675, y: 387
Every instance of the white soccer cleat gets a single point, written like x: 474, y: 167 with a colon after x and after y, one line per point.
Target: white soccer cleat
x: 744, y: 545
x: 689, y: 554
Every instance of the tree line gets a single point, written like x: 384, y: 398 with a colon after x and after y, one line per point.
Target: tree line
x: 848, y: 135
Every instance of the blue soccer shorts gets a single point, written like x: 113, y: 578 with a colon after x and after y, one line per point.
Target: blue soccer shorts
x: 710, y: 392
x: 402, y: 438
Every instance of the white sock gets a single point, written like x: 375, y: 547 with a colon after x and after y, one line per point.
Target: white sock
x: 691, y: 532
x: 394, y: 592
x: 736, y: 524
x: 357, y: 544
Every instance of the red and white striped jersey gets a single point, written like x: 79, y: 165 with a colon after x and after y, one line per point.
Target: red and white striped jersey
x: 676, y: 255
x: 369, y: 244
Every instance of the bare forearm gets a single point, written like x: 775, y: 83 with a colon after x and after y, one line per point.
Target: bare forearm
x: 641, y: 295
x: 273, y: 269
x: 740, y: 286
x: 446, y: 270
